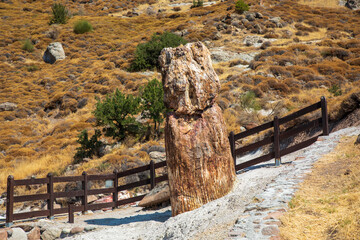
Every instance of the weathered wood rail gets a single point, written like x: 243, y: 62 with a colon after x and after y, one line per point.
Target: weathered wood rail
x: 278, y: 136
x: 50, y: 196
x: 50, y: 180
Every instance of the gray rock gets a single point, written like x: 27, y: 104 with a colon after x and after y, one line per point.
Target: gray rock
x: 216, y: 36
x: 250, y: 17
x: 258, y: 15
x: 357, y: 140
x: 53, y: 53
x: 158, y: 195
x: 18, y: 234
x: 150, y: 11
x: 89, y: 228
x: 82, y: 103
x: 276, y: 21
x: 158, y: 156
x: 51, y: 233
x: 353, y: 4
x: 156, y: 148
x: 7, y: 106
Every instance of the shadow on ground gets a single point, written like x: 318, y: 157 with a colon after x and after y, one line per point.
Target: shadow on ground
x: 158, y: 217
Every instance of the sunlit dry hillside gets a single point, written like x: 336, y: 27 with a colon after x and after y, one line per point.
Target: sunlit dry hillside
x: 289, y: 55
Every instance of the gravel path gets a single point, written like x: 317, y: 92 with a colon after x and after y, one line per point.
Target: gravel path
x: 250, y: 211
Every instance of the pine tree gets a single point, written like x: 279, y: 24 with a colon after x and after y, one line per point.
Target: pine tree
x: 116, y: 113
x: 152, y: 98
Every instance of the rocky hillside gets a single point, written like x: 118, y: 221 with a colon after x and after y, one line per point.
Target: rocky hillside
x: 279, y: 56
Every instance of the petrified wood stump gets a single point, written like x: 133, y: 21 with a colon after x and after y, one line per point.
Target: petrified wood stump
x: 200, y: 166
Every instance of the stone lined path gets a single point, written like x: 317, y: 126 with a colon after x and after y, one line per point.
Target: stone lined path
x: 260, y: 219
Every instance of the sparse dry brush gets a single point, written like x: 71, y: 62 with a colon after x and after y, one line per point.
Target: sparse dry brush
x: 56, y: 101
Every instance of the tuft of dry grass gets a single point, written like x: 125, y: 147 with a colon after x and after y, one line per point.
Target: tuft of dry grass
x: 327, y: 204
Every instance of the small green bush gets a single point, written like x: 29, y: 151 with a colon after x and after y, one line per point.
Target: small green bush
x: 241, y: 6
x: 28, y: 46
x: 60, y: 14
x: 116, y: 113
x: 89, y: 147
x: 82, y: 26
x: 197, y: 3
x: 248, y: 101
x: 336, y: 90
x: 32, y: 68
x: 152, y: 99
x: 147, y: 54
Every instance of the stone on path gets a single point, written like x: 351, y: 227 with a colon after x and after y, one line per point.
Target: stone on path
x: 18, y: 234
x: 159, y: 194
x: 34, y: 234
x: 51, y: 233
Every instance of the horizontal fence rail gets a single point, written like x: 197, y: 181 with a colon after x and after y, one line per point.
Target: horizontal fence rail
x: 83, y: 194
x: 278, y: 136
x: 51, y: 196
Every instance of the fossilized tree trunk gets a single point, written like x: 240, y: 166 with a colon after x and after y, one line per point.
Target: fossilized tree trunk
x: 200, y: 165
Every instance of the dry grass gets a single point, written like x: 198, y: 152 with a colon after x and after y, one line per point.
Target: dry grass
x: 327, y: 204
x: 40, y: 136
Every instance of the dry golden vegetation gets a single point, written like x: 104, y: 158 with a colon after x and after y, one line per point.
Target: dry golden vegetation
x: 314, y: 49
x: 327, y: 204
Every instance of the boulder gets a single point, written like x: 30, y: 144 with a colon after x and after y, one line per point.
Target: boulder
x: 189, y: 80
x: 34, y: 234
x: 7, y: 106
x: 3, y: 234
x: 158, y: 195
x: 26, y: 228
x: 150, y: 11
x: 157, y: 156
x: 353, y: 4
x: 51, y: 233
x: 357, y: 141
x: 76, y: 230
x: 18, y: 234
x: 53, y: 53
x: 199, y: 161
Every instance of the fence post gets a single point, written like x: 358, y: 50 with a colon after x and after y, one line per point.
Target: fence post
x: 9, y: 201
x: 71, y: 212
x: 324, y: 116
x: 50, y: 191
x: 115, y: 193
x: 152, y: 174
x: 277, y: 141
x: 232, y: 146
x: 85, y: 189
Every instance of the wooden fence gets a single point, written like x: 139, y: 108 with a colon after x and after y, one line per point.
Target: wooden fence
x: 278, y: 136
x: 50, y: 180
x: 50, y: 196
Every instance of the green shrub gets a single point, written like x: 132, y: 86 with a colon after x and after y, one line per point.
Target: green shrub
x: 60, y: 14
x: 28, y: 46
x: 152, y: 99
x: 197, y: 3
x: 89, y: 147
x: 147, y: 54
x: 32, y: 68
x: 116, y: 113
x: 241, y: 6
x: 248, y: 101
x: 82, y: 26
x: 336, y: 90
